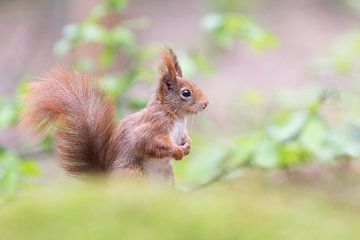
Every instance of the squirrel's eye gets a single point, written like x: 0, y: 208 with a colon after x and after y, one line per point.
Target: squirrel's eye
x: 186, y: 93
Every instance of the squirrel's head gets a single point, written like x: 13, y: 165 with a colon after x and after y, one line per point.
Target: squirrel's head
x: 179, y: 95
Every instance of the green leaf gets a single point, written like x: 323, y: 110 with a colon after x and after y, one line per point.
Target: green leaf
x: 266, y: 155
x: 137, y: 104
x: 123, y: 37
x: 97, y: 13
x: 116, y: 85
x: 211, y: 22
x: 313, y: 135
x: 13, y: 169
x: 225, y: 28
x: 9, y: 172
x: 8, y: 115
x: 245, y: 146
x: 71, y: 31
x: 342, y: 57
x: 62, y: 47
x: 289, y: 128
x: 30, y: 168
x: 108, y: 56
x: 187, y: 64
x: 93, y: 33
x: 115, y: 5
x: 292, y: 153
x: 202, y: 63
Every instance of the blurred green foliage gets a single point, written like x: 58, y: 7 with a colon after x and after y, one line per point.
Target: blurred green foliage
x: 297, y: 136
x: 251, y: 210
x: 119, y: 41
x: 10, y: 108
x: 287, y: 138
x: 354, y: 4
x: 221, y: 28
x: 13, y: 166
x: 115, y: 42
x: 232, y: 5
x: 121, y: 63
x: 342, y: 58
x: 290, y: 137
x: 227, y: 27
x: 13, y: 172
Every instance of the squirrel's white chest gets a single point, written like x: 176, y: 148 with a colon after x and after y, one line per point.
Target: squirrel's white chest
x: 178, y: 131
x: 160, y: 170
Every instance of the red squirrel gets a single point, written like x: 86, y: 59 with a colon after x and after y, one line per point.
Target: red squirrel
x: 88, y: 138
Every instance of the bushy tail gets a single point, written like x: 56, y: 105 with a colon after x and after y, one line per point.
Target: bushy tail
x: 83, y: 119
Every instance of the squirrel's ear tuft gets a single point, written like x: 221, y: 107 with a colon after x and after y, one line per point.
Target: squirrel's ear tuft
x: 169, y: 69
x: 170, y: 63
x: 175, y: 62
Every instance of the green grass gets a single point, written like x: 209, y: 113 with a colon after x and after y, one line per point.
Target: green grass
x: 242, y: 210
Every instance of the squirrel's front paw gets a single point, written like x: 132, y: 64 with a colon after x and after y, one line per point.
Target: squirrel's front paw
x: 186, y: 148
x: 186, y: 145
x: 178, y: 153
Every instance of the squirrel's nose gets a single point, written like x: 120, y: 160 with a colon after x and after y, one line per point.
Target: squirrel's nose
x: 205, y: 104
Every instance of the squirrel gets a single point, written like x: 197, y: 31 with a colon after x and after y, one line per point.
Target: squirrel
x: 89, y: 140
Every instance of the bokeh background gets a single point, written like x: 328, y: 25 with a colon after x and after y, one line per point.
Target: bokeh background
x: 284, y: 113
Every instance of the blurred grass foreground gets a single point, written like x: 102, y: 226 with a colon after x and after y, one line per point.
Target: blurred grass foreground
x: 243, y: 210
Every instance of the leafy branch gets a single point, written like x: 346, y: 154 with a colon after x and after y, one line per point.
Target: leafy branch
x: 301, y: 136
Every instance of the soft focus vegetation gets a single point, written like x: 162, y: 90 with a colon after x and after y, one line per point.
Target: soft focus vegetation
x: 290, y: 136
x: 308, y: 134
x: 14, y: 167
x: 219, y: 28
x: 248, y: 211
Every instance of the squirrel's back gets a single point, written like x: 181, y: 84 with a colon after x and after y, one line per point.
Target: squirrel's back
x: 82, y: 116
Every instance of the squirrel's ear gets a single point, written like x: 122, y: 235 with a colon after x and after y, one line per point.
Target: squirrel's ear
x: 167, y: 70
x: 175, y: 62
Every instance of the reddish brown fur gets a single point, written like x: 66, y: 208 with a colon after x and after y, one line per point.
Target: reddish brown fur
x: 88, y: 139
x: 83, y: 117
